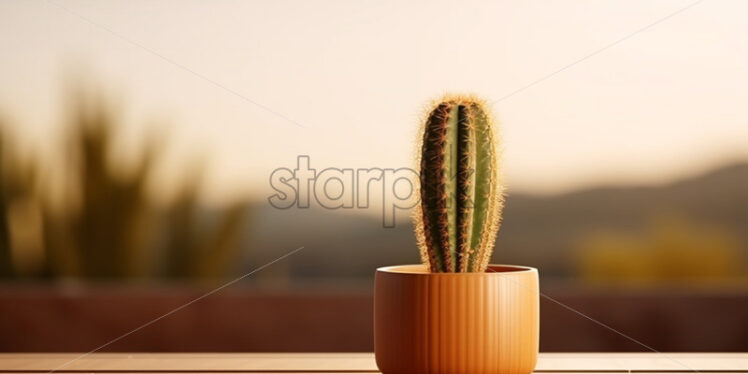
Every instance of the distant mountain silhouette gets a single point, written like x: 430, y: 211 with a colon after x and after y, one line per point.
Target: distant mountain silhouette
x: 539, y: 231
x: 545, y: 228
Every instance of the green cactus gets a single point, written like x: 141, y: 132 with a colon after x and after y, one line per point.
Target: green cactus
x: 461, y: 198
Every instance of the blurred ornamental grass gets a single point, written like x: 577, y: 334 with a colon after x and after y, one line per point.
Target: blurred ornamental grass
x: 108, y: 227
x: 18, y: 176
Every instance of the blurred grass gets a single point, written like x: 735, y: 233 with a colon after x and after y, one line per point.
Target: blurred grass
x: 18, y: 178
x: 109, y: 226
x: 190, y: 251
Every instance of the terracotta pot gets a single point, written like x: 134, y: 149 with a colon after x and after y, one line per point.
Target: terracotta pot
x: 456, y: 322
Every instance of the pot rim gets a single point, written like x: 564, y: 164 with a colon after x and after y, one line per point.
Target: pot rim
x: 422, y: 270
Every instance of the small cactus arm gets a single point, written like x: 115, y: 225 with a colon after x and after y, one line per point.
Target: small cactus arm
x: 461, y: 197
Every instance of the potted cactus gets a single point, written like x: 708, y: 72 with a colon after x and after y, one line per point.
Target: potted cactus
x: 455, y: 313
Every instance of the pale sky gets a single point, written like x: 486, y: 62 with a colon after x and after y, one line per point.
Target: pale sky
x: 664, y: 103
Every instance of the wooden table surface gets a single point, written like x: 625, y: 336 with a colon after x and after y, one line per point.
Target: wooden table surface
x: 352, y: 362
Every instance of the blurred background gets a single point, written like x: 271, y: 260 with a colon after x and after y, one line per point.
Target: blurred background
x: 137, y: 140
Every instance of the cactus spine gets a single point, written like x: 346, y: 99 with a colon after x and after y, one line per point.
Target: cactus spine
x: 461, y: 198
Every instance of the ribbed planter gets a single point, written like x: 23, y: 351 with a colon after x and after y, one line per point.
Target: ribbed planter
x: 456, y: 322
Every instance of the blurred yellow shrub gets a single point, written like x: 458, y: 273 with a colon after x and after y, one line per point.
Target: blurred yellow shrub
x: 672, y: 249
